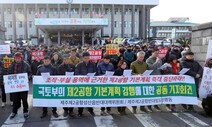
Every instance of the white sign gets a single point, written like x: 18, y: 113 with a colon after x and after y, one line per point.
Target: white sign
x: 164, y: 66
x: 183, y: 71
x: 127, y: 73
x: 147, y: 72
x: 5, y: 49
x: 109, y: 73
x: 206, y: 83
x: 69, y: 73
x: 16, y: 83
x: 91, y: 74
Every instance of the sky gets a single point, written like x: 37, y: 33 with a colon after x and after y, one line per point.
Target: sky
x: 198, y: 11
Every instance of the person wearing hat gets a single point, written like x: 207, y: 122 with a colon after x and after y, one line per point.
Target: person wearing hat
x: 195, y: 70
x: 19, y: 66
x: 47, y: 68
x: 62, y: 69
x: 83, y: 68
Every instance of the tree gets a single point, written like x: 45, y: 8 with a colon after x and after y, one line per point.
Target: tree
x: 184, y: 41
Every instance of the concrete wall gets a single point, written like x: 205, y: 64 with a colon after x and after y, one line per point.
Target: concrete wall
x: 2, y: 34
x: 201, y: 34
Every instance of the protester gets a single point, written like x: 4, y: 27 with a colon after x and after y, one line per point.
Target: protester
x: 19, y: 66
x: 62, y: 69
x: 138, y: 67
x: 122, y: 65
x: 129, y: 56
x: 47, y: 68
x: 154, y: 63
x: 55, y: 60
x: 73, y: 58
x: 83, y: 68
x: 102, y: 67
x: 195, y: 70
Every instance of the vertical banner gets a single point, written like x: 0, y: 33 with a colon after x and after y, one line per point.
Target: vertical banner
x: 112, y: 49
x: 95, y: 54
x: 16, y: 83
x: 5, y: 49
x: 7, y: 61
x: 206, y: 84
x: 37, y: 55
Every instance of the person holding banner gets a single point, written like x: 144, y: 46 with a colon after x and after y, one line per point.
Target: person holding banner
x: 195, y: 70
x: 122, y: 65
x: 62, y: 69
x: 154, y: 63
x: 83, y: 68
x: 19, y: 66
x: 3, y: 95
x: 102, y: 67
x: 47, y: 68
x: 138, y: 67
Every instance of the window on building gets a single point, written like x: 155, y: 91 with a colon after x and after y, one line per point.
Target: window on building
x: 115, y: 24
x: 21, y: 36
x: 9, y: 24
x: 120, y: 23
x: 135, y: 24
x: 116, y: 11
x: 10, y: 37
x: 31, y: 24
x: 9, y: 11
x: 106, y: 10
x: 31, y: 11
x: 42, y: 10
x: 130, y: 24
x: 126, y: 12
x: 125, y: 24
x: 20, y: 10
x: 20, y: 24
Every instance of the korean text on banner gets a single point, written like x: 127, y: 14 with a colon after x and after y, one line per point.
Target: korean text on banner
x: 100, y: 91
x: 16, y: 83
x: 5, y: 49
x: 37, y: 55
x: 112, y: 49
x: 7, y: 61
x: 95, y: 54
x: 205, y: 87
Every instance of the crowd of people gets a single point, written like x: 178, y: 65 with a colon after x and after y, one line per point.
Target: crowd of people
x: 61, y: 59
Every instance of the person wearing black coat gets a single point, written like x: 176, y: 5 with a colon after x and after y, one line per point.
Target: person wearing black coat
x: 47, y: 68
x: 195, y: 70
x: 62, y: 69
x: 83, y: 68
x: 122, y: 65
x: 19, y: 66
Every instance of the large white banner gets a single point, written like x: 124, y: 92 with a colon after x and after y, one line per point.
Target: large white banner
x: 206, y: 84
x: 16, y: 83
x: 5, y: 49
x: 113, y: 91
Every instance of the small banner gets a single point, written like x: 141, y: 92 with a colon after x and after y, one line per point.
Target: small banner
x: 37, y: 55
x: 7, y: 61
x: 206, y: 83
x: 112, y: 49
x: 5, y: 49
x: 95, y: 54
x: 103, y: 91
x: 16, y: 83
x: 162, y: 52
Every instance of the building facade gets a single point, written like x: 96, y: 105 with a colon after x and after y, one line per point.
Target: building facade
x: 2, y: 34
x: 173, y: 28
x: 125, y: 18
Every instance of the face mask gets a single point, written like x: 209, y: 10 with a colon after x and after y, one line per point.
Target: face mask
x: 128, y: 49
